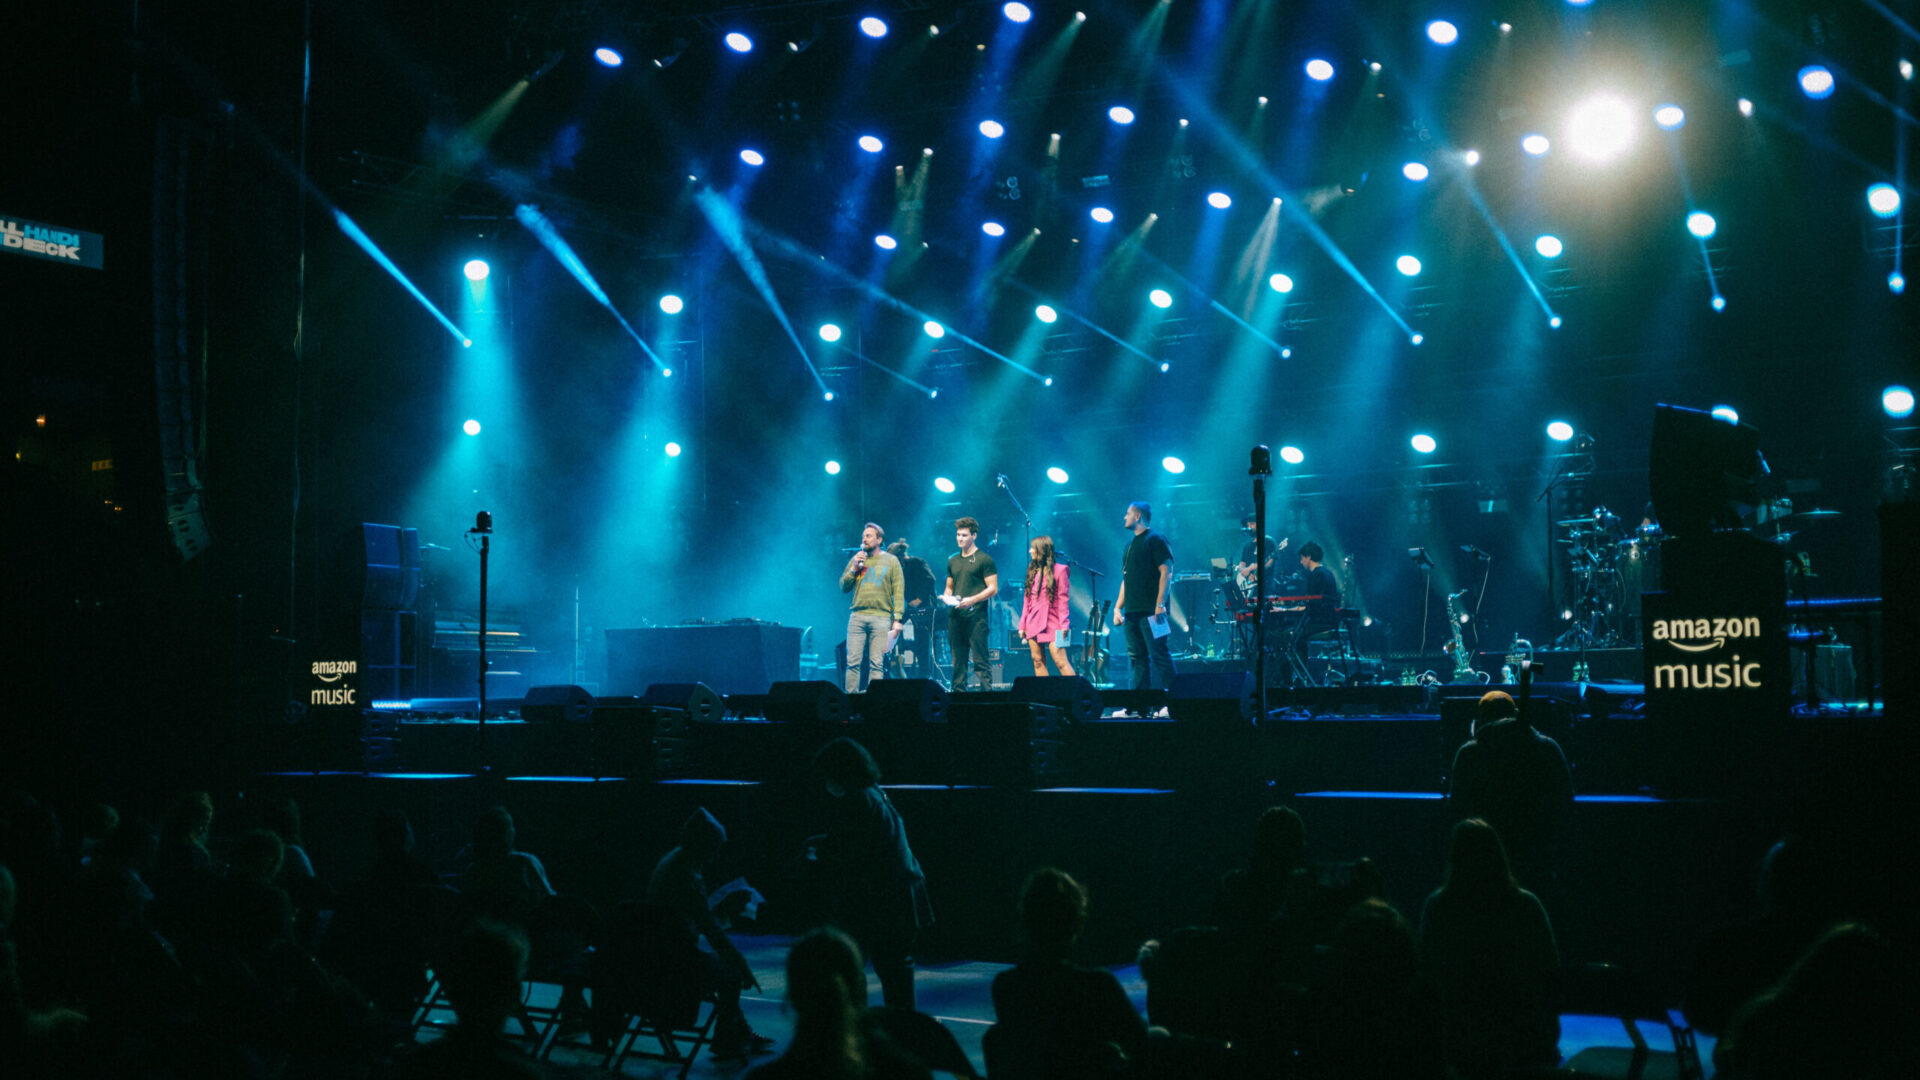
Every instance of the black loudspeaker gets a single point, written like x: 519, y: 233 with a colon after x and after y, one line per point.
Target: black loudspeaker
x: 893, y: 701
x: 812, y: 702
x: 1003, y: 745
x: 699, y: 701
x: 1073, y: 695
x: 1211, y: 697
x: 554, y: 704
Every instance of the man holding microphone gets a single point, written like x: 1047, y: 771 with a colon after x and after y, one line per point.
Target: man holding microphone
x: 879, y: 604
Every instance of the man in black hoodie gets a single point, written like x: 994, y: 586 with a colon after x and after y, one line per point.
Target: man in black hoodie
x: 1516, y: 779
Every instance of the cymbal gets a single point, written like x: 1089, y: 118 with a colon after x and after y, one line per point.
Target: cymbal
x: 1814, y: 514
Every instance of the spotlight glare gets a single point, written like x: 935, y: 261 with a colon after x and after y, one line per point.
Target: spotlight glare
x: 1414, y: 170
x: 885, y: 242
x: 833, y: 468
x: 1719, y: 303
x: 1816, y: 82
x: 1554, y: 322
x: 1897, y: 400
x: 1101, y: 214
x: 1560, y: 431
x: 1292, y: 455
x: 1701, y: 224
x: 944, y: 485
x: 753, y: 157
x: 1048, y: 381
x: 1286, y: 354
x: 1280, y: 283
x: 1897, y: 282
x: 1057, y: 474
x: 992, y: 129
x: 672, y: 304
x: 1906, y: 69
x: 609, y: 57
x: 471, y: 427
x: 1549, y: 246
x: 1173, y: 465
x: 1601, y: 129
x: 1046, y: 314
x: 1407, y: 265
x: 1669, y: 117
x: 828, y: 396
x: 476, y: 270
x: 1746, y: 107
x: 1120, y: 114
x: 1219, y: 200
x: 673, y: 449
x: 872, y: 144
x: 1725, y: 414
x: 993, y: 228
x: 1418, y: 339
x: 829, y: 332
x: 1424, y: 443
x: 934, y: 392
x: 666, y: 373
x: 873, y: 26
x: 1883, y: 200
x: 1535, y: 145
x: 1165, y: 367
x: 739, y: 42
x: 1160, y: 298
x: 1442, y: 32
x: 1471, y: 157
x: 934, y: 330
x: 1319, y: 70
x: 1018, y: 12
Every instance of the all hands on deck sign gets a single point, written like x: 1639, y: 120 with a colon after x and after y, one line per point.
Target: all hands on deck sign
x: 18, y: 236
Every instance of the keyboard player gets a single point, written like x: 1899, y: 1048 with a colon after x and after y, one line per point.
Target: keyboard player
x: 1322, y: 609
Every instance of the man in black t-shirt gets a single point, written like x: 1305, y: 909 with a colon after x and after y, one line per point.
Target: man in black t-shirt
x: 1322, y: 615
x: 972, y: 580
x: 1145, y: 569
x: 910, y: 660
x: 1262, y: 552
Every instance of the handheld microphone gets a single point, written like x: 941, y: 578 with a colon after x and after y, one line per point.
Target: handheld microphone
x: 1475, y: 552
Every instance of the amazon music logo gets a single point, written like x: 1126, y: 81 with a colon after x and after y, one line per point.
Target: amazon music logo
x: 1700, y: 643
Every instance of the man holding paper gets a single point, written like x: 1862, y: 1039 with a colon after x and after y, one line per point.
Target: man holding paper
x: 1145, y: 569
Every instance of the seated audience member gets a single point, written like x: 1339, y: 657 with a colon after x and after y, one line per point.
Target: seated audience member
x: 1516, y: 780
x: 252, y: 914
x: 482, y: 975
x: 1844, y: 1010
x: 827, y: 990
x: 1056, y: 1018
x: 98, y: 821
x: 1250, y: 898
x: 384, y: 921
x: 1368, y: 1013
x: 1490, y: 953
x: 41, y: 1042
x: 679, y: 883
x: 309, y: 894
x: 395, y: 865
x: 503, y: 883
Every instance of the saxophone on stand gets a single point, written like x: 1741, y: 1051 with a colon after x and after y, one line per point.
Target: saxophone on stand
x: 1463, y: 671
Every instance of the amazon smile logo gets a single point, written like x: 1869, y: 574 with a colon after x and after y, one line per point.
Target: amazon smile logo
x: 332, y: 671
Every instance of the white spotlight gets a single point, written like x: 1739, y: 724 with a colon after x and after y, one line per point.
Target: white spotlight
x: 1120, y: 114
x: 1549, y: 247
x: 753, y: 157
x: 1725, y: 414
x: 1414, y: 170
x: 1719, y: 303
x: 1101, y: 214
x: 1173, y: 465
x: 1553, y: 322
x: 1601, y: 129
x: 993, y: 228
x: 1471, y: 157
x: 1057, y: 474
x: 1897, y: 283
x: 1816, y: 82
x: 885, y: 242
x: 1536, y: 145
x: 1292, y: 455
x: 1219, y: 200
x: 1280, y: 283
x: 828, y: 395
x: 1442, y: 32
x: 672, y: 304
x: 1560, y: 431
x: 1897, y: 400
x: 1407, y: 265
x: 873, y: 26
x: 1669, y: 117
x: 1883, y: 200
x: 1424, y: 443
x: 1046, y: 314
x: 1160, y: 298
x: 833, y: 468
x: 1017, y: 12
x: 1746, y: 107
x: 934, y: 330
x: 673, y: 449
x: 872, y: 144
x: 943, y: 484
x: 992, y: 129
x: 739, y: 42
x: 1701, y: 224
x: 829, y: 333
x: 1319, y: 70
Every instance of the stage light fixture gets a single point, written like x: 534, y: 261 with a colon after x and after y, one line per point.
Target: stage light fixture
x: 666, y: 373
x: 1407, y: 265
x: 1578, y: 3
x: 933, y: 392
x: 1897, y: 400
x: 1746, y: 107
x: 1319, y: 70
x: 1725, y: 414
x: 1553, y: 322
x: 1600, y: 129
x: 1018, y: 12
x: 934, y: 330
x: 1165, y: 367
x: 1173, y: 465
x: 829, y: 333
x: 1906, y: 69
x: 739, y: 42
x: 476, y: 270
x: 833, y: 468
x: 1536, y: 145
x: 1160, y: 298
x: 1048, y: 381
x: 993, y: 228
x: 1669, y: 117
x: 673, y: 449
x: 471, y: 427
x: 1560, y: 431
x: 1101, y: 214
x: 1059, y: 475
x: 885, y: 242
x: 944, y: 485
x: 1418, y: 339
x: 609, y: 57
x: 1292, y: 455
x: 1719, y: 302
x: 1120, y: 114
x: 872, y: 144
x: 1415, y: 171
x: 1471, y: 157
x: 1442, y: 32
x: 1286, y: 354
x: 1701, y: 224
x: 672, y: 304
x: 1219, y: 200
x: 1897, y: 283
x: 1816, y: 82
x: 1549, y: 246
x: 873, y: 26
x: 1423, y: 443
x: 992, y: 129
x: 753, y: 157
x: 1046, y: 314
x: 828, y: 396
x: 1280, y: 283
x: 1883, y: 200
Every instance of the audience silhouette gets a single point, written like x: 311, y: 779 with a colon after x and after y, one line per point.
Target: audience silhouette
x: 827, y: 990
x: 1056, y: 1018
x: 678, y: 884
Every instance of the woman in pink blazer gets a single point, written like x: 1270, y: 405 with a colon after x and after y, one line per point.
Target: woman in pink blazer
x: 1045, y: 611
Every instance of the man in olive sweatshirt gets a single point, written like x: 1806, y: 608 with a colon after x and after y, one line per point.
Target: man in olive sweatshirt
x: 879, y: 604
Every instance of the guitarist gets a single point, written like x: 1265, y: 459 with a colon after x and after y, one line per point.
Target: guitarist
x: 1243, y: 571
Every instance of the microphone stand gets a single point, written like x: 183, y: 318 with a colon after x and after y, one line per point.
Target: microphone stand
x: 1008, y: 488
x: 1261, y: 468
x: 1093, y: 597
x: 483, y: 528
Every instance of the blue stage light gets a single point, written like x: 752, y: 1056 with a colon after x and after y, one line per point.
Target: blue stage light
x: 1048, y: 381
x: 1160, y: 298
x: 1017, y: 12
x: 1173, y: 465
x: 1319, y: 70
x: 471, y: 427
x: 1415, y: 171
x: 1895, y: 281
x: 833, y: 468
x: 1059, y: 475
x: 1725, y: 414
x: 476, y: 270
x: 992, y: 129
x: 1292, y: 455
x: 872, y: 144
x: 828, y: 396
x: 1554, y: 322
x: 1701, y: 224
x: 1719, y: 302
x: 1424, y: 443
x: 1165, y: 367
x: 753, y: 157
x: 672, y: 304
x: 873, y: 26
x: 1560, y: 431
x: 885, y: 242
x: 1746, y: 106
x: 1286, y: 354
x: 1883, y: 200
x: 934, y: 330
x: 1816, y: 82
x: 1669, y: 117
x: 943, y: 484
x: 933, y: 392
x: 1046, y: 314
x: 666, y: 373
x: 609, y: 57
x: 673, y: 449
x: 1442, y: 32
x: 993, y: 228
x: 1280, y: 283
x: 1601, y: 128
x: 1537, y: 145
x: 1418, y: 339
x: 1101, y: 214
x: 739, y: 42
x: 1549, y: 246
x: 1120, y: 114
x: 829, y: 332
x: 1407, y: 265
x: 1219, y: 200
x: 1897, y: 400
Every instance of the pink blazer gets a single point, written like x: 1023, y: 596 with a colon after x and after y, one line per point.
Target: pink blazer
x: 1039, y: 619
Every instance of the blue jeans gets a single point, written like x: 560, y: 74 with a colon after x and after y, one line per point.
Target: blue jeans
x: 1144, y: 650
x: 866, y: 648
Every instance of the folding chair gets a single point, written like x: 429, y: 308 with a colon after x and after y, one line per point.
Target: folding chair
x: 648, y: 983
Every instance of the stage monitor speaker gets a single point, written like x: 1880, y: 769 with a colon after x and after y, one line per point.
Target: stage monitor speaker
x: 699, y: 701
x: 904, y: 700
x: 553, y: 704
x: 1005, y: 745
x: 1073, y: 695
x: 811, y: 702
x: 1211, y: 697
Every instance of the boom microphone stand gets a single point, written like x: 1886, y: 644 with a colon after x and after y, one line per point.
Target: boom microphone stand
x: 1001, y: 479
x: 1260, y: 467
x: 483, y: 528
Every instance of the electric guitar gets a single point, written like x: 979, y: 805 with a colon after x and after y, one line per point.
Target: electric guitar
x: 1244, y: 575
x: 1093, y: 655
